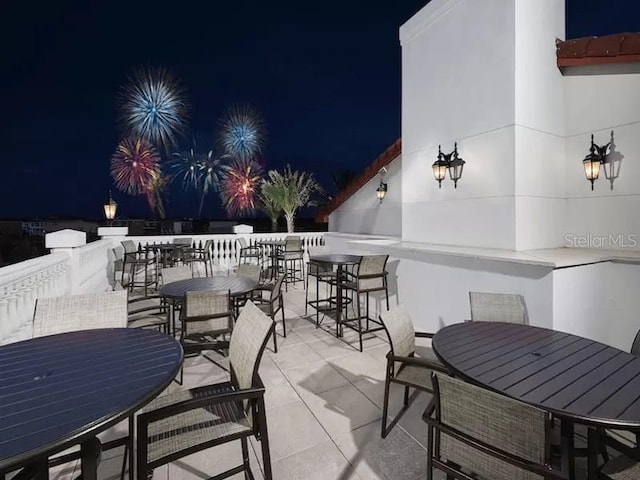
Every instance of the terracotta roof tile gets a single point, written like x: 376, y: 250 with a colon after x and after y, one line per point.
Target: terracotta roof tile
x: 371, y: 171
x: 619, y: 48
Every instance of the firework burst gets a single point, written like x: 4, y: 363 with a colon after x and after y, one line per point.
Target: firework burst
x: 153, y: 106
x: 240, y: 187
x: 242, y: 132
x: 135, y: 166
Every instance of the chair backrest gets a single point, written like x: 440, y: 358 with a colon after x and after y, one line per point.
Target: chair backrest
x: 80, y: 312
x: 292, y: 244
x: 242, y: 242
x: 374, y: 266
x: 208, y: 246
x: 497, y: 307
x: 495, y: 420
x: 207, y: 311
x: 250, y: 270
x: 399, y: 327
x: 635, y: 346
x: 276, y: 291
x: 183, y: 241
x: 249, y: 337
x: 129, y: 246
x: 174, y: 274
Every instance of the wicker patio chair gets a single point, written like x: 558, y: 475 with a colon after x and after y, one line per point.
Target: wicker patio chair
x: 292, y: 260
x: 476, y: 433
x: 250, y: 270
x: 188, y: 421
x: 202, y: 254
x: 272, y: 305
x: 205, y: 317
x: 498, y: 307
x: 370, y: 276
x: 175, y: 274
x: 403, y: 367
x: 80, y: 312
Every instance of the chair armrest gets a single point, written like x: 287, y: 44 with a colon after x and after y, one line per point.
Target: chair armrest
x: 418, y: 361
x: 424, y: 334
x: 428, y: 412
x: 199, y: 402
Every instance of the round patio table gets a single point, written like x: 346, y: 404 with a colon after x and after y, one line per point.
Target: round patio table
x: 339, y: 260
x: 62, y: 390
x: 576, y: 379
x: 235, y: 284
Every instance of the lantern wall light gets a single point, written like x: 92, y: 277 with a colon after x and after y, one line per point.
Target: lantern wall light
x: 110, y: 209
x: 596, y: 157
x: 450, y: 162
x: 381, y: 191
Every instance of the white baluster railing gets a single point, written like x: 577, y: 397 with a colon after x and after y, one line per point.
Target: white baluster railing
x: 21, y: 284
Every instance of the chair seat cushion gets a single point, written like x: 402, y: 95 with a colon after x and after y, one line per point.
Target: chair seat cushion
x: 622, y: 468
x: 194, y: 427
x: 416, y: 374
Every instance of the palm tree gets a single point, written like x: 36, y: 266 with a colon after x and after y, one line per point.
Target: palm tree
x: 270, y: 207
x: 290, y: 190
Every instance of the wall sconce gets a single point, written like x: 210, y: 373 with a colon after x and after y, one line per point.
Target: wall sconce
x: 448, y: 161
x: 110, y: 209
x: 381, y: 191
x: 597, y: 156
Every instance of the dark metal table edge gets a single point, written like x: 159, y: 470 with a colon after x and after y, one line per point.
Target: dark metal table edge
x: 181, y: 296
x: 16, y: 462
x: 576, y: 418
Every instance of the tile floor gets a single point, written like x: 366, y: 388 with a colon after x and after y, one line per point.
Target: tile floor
x: 324, y: 409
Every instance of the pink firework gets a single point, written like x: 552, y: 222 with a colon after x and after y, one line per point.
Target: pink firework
x: 240, y: 187
x: 135, y: 166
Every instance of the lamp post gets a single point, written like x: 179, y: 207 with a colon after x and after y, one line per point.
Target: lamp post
x: 110, y: 209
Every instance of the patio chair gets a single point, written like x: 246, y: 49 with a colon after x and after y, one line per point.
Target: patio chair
x: 370, y: 276
x: 248, y: 253
x: 83, y: 312
x: 136, y: 263
x: 292, y: 260
x: 148, y: 312
x: 250, y: 270
x: 476, y: 433
x: 188, y: 421
x: 175, y: 274
x: 403, y: 367
x: 272, y: 305
x: 205, y: 317
x: 498, y: 307
x: 80, y: 312
x: 622, y: 467
x: 322, y: 272
x: 202, y: 254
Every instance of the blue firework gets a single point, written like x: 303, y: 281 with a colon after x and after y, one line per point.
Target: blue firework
x: 242, y: 132
x: 153, y: 106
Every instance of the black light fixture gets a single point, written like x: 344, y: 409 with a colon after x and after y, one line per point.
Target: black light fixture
x: 448, y: 161
x: 381, y: 191
x: 110, y: 209
x: 597, y: 156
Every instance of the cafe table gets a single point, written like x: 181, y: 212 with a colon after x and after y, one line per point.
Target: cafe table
x: 62, y: 390
x: 576, y: 379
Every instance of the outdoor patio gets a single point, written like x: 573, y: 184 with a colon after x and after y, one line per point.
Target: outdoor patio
x: 324, y: 409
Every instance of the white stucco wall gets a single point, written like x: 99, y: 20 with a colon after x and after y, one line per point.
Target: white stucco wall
x: 363, y: 212
x: 458, y: 84
x: 597, y: 102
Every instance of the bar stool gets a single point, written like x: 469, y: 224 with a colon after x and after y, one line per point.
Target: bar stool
x: 292, y: 260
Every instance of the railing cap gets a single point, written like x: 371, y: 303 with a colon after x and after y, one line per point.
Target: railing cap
x: 66, y: 238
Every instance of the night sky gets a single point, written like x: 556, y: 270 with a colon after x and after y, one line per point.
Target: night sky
x: 325, y: 75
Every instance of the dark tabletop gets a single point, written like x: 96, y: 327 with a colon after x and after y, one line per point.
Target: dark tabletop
x: 59, y: 390
x: 236, y: 284
x: 565, y: 374
x: 336, y: 258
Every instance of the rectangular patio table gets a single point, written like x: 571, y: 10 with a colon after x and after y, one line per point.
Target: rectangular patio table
x: 576, y: 379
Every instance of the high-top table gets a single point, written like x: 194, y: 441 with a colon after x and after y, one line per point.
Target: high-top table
x: 576, y: 379
x: 340, y: 261
x: 62, y: 390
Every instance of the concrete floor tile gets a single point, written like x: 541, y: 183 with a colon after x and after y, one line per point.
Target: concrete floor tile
x: 315, y: 378
x: 322, y: 462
